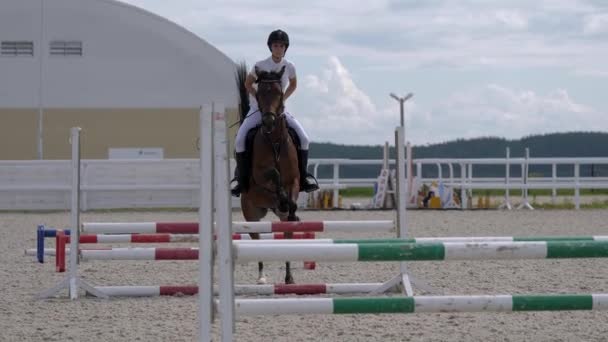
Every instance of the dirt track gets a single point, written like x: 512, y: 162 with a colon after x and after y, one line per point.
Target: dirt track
x: 174, y: 318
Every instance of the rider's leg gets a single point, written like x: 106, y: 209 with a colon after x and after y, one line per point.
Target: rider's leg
x: 307, y: 182
x: 241, y: 172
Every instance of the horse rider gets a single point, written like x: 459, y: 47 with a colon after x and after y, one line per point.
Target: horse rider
x: 278, y: 43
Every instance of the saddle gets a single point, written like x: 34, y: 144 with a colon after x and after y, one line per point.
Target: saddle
x: 251, y: 136
x: 308, y: 182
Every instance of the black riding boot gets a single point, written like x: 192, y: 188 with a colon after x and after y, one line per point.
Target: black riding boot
x: 308, y: 183
x: 240, y: 175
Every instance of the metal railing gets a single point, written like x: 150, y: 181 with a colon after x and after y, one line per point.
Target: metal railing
x: 45, y: 184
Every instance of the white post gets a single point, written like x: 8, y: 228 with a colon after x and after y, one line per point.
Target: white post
x: 439, y: 173
x: 42, y: 55
x: 525, y: 167
x: 223, y: 220
x: 554, y: 178
x: 205, y: 223
x: 507, y: 177
x: 410, y: 174
x: 526, y: 174
x: 463, y: 191
x: 83, y: 184
x: 577, y: 190
x: 316, y: 170
x: 451, y: 168
x: 389, y: 201
x: 507, y: 203
x: 385, y: 156
x: 402, y: 199
x: 75, y: 213
x: 470, y: 183
x: 335, y: 201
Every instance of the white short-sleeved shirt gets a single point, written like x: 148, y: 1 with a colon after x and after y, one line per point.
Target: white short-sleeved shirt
x: 270, y: 65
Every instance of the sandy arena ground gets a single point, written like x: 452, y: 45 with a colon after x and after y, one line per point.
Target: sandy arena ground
x: 22, y: 318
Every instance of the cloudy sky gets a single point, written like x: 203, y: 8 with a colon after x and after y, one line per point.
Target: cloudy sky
x: 476, y: 67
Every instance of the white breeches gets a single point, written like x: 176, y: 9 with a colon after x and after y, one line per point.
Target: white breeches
x: 254, y: 118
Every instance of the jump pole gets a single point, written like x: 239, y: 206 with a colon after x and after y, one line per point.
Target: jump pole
x: 471, y: 239
x: 355, y: 252
x: 420, y: 304
x: 404, y: 251
x: 238, y: 227
x: 43, y: 233
x: 274, y: 289
x: 52, y: 251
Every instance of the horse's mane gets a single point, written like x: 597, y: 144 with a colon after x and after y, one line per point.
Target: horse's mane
x: 241, y: 75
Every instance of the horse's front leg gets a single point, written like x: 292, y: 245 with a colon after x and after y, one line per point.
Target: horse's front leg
x: 288, y: 275
x: 289, y: 235
x: 261, y: 276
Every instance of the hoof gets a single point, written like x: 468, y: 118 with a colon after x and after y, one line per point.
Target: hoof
x: 289, y: 280
x: 262, y: 281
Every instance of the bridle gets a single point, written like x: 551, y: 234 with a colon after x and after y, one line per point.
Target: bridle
x: 269, y: 118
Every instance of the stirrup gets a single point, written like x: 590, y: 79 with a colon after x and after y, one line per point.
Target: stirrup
x: 309, y: 184
x: 236, y: 189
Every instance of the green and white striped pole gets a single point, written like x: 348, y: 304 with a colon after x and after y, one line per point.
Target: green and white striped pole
x: 402, y: 251
x: 432, y: 239
x: 420, y: 304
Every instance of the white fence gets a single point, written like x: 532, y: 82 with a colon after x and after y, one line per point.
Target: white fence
x: 173, y: 183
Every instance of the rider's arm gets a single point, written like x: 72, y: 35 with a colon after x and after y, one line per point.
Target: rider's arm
x: 293, y: 84
x: 249, y: 81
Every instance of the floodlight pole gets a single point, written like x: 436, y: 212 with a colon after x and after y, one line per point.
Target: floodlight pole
x: 401, y: 102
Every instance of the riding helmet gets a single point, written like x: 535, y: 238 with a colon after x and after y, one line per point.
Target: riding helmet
x: 278, y: 36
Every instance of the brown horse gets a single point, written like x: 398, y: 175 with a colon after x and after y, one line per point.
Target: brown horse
x: 274, y: 181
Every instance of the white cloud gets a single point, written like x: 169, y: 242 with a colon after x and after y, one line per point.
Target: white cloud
x: 512, y: 19
x: 495, y: 110
x: 596, y: 24
x: 343, y: 113
x: 459, y: 34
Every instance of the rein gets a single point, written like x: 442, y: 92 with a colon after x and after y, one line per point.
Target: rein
x: 276, y: 147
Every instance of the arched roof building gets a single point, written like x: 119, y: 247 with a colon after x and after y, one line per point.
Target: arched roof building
x: 130, y: 78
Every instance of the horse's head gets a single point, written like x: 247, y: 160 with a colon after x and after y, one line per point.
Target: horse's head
x: 270, y: 97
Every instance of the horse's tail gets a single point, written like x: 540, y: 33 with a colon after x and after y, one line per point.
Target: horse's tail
x: 241, y: 75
